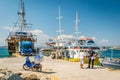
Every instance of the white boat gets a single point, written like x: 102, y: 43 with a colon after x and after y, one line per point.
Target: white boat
x: 70, y: 45
x: 74, y: 50
x: 111, y: 62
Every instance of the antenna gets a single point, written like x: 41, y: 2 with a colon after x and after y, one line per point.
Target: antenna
x: 76, y: 25
x: 59, y: 18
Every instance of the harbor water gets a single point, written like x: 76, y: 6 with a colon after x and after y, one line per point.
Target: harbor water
x: 106, y: 53
x: 4, y: 52
x: 110, y: 53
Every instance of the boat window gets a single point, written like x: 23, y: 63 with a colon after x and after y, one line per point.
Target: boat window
x: 82, y: 42
x: 96, y: 48
x: 21, y: 33
x: 90, y: 41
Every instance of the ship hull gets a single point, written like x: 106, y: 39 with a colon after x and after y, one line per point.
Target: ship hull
x: 115, y: 65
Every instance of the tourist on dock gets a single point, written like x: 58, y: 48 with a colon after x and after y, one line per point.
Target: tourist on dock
x: 67, y: 55
x: 82, y: 58
x: 91, y: 57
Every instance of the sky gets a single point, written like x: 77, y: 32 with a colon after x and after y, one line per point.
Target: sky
x: 99, y: 19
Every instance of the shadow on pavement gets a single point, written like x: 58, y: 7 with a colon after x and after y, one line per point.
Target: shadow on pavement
x: 48, y: 72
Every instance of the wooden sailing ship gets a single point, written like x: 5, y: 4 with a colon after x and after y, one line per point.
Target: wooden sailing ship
x: 19, y: 33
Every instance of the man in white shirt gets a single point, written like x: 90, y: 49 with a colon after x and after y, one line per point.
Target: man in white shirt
x: 82, y: 58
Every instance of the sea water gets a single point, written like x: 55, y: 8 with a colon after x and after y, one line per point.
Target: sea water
x: 4, y: 52
x: 111, y: 53
x: 106, y: 53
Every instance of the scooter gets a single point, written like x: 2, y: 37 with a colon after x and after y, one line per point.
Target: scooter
x: 34, y: 65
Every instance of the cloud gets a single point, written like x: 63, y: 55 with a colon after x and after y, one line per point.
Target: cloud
x: 3, y: 41
x: 7, y: 28
x: 66, y: 36
x: 11, y: 28
x: 94, y: 38
x: 36, y: 32
x: 3, y: 35
x: 42, y: 38
x: 103, y: 42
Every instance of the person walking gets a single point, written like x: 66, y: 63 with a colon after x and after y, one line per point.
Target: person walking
x: 91, y: 57
x: 82, y: 58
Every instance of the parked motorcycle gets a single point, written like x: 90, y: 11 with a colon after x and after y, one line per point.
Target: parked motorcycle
x: 33, y: 65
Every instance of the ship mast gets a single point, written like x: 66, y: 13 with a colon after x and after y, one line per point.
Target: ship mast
x: 76, y: 25
x: 22, y: 15
x: 59, y: 18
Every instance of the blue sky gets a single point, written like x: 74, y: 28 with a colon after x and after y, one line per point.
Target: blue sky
x: 98, y: 18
